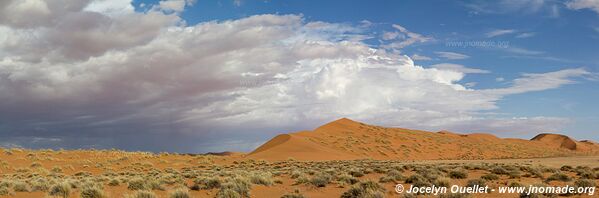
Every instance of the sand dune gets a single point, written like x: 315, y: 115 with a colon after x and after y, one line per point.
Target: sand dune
x: 347, y: 139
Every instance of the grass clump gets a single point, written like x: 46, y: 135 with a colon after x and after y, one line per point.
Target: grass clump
x: 365, y: 189
x: 205, y: 183
x: 585, y: 183
x: 392, y: 176
x: 490, y: 176
x: 295, y: 194
x: 92, y: 192
x: 20, y: 187
x: 458, y: 174
x: 143, y: 194
x: 559, y: 177
x: 137, y: 184
x: 179, y: 193
x: 320, y: 180
x: 60, y: 190
x: 235, y: 187
x: 262, y: 178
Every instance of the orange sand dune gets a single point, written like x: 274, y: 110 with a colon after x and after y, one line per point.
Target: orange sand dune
x: 345, y: 139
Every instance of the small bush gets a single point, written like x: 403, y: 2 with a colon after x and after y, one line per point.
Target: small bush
x: 295, y: 194
x: 262, y: 179
x: 180, y: 193
x: 356, y: 173
x: 239, y: 185
x: 499, y: 170
x: 585, y: 183
x: 206, y: 183
x: 514, y: 174
x: 566, y: 168
x: 20, y: 187
x: 92, y: 192
x: 62, y: 190
x: 476, y: 182
x: 442, y: 181
x: 347, y: 179
x: 228, y: 193
x: 415, y: 178
x: 559, y: 177
x: 490, y: 177
x: 137, y: 184
x: 458, y: 174
x: 320, y: 180
x: 367, y: 189
x: 4, y: 190
x: 114, y: 182
x: 143, y: 194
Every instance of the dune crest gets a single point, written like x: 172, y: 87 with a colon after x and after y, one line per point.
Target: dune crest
x: 345, y: 139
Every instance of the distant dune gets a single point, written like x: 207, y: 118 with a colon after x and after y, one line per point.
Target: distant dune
x: 345, y: 139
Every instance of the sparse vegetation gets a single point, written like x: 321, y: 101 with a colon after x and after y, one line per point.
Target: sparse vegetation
x: 143, y: 174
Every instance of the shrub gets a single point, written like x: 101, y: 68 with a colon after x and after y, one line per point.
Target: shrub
x: 143, y: 194
x: 490, y: 177
x: 92, y: 192
x: 155, y: 185
x: 347, y: 179
x: 585, y: 183
x: 113, y: 182
x: 137, y: 184
x: 559, y: 177
x: 442, y: 181
x: 20, y: 187
x: 514, y: 174
x: 566, y: 168
x: 476, y: 182
x: 415, y: 178
x: 180, y: 193
x: 262, y: 179
x: 4, y: 190
x: 238, y: 184
x: 356, y: 173
x: 228, y: 193
x: 320, y: 180
x: 458, y: 174
x: 62, y: 190
x: 392, y: 176
x: 295, y: 194
x: 365, y: 189
x: 499, y: 170
x: 206, y: 183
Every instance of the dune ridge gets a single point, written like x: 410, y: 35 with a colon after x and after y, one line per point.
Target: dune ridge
x: 345, y: 139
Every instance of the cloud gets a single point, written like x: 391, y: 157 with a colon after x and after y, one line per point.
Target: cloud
x: 418, y: 57
x: 459, y: 68
x: 526, y: 35
x: 452, y: 55
x: 583, y: 4
x: 500, y: 32
x: 537, y: 82
x: 549, y: 8
x: 403, y: 37
x: 523, y: 51
x: 111, y: 77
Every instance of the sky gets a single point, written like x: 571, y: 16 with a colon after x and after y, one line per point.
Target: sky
x: 226, y: 75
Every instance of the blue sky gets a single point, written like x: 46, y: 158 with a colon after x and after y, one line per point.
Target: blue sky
x: 230, y: 74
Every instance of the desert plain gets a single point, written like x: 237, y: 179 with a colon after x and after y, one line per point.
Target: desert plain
x: 343, y: 158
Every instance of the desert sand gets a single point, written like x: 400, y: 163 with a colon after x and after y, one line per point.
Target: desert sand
x: 345, y: 139
x: 343, y: 158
